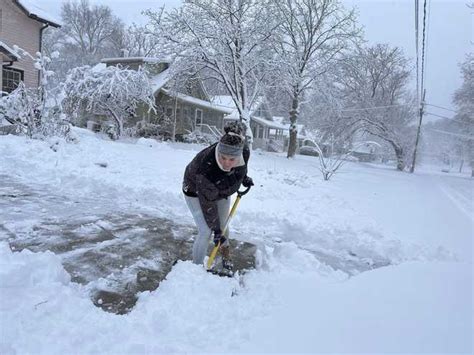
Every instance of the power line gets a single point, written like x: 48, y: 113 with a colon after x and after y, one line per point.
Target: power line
x: 372, y: 108
x: 441, y: 107
x: 452, y: 133
x: 449, y: 118
x: 440, y: 116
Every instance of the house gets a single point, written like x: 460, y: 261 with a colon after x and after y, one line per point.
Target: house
x: 365, y: 152
x: 182, y: 107
x: 21, y: 24
x: 269, y: 132
x: 301, y: 138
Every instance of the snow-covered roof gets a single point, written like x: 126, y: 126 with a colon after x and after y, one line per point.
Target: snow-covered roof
x: 31, y: 8
x: 365, y: 149
x: 223, y: 100
x: 269, y: 124
x: 116, y: 60
x: 226, y: 101
x: 99, y: 67
x: 279, y: 119
x: 158, y: 81
x: 8, y: 52
x: 196, y: 101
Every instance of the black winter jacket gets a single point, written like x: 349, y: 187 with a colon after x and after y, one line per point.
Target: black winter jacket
x: 205, y: 180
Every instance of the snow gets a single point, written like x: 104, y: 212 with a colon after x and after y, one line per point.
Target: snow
x: 303, y: 295
x: 227, y: 102
x: 270, y: 124
x: 150, y: 60
x: 196, y: 101
x: 32, y: 7
x: 9, y: 50
x: 159, y: 80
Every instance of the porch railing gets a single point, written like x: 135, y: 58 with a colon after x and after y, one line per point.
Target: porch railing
x: 275, y: 146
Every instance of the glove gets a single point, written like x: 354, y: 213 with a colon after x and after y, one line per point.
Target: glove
x: 247, y: 182
x: 219, y: 237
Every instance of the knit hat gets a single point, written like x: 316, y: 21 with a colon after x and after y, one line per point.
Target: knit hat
x: 232, y: 142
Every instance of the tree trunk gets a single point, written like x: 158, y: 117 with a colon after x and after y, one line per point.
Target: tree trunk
x: 461, y: 165
x: 400, y: 158
x: 118, y: 122
x: 292, y: 145
x: 399, y: 154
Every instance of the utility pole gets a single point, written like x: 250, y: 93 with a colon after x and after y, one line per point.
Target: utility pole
x: 420, y: 114
x: 173, y: 134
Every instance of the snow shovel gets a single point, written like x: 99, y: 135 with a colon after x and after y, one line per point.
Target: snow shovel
x: 216, y: 248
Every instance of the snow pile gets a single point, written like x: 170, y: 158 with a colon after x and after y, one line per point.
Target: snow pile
x: 415, y: 307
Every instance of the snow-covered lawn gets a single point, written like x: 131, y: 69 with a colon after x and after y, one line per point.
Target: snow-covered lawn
x: 303, y: 296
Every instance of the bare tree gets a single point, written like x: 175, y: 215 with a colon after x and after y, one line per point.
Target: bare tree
x: 374, y: 83
x: 91, y: 27
x: 89, y: 33
x: 310, y: 36
x: 330, y: 162
x: 140, y: 43
x: 226, y: 37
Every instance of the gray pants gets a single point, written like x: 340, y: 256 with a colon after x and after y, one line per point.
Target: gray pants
x: 204, y: 232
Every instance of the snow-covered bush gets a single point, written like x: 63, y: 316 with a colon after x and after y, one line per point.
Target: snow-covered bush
x: 198, y: 137
x: 34, y: 111
x: 150, y: 130
x: 113, y: 92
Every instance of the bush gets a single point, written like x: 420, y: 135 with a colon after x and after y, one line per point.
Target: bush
x: 151, y: 130
x: 308, y: 150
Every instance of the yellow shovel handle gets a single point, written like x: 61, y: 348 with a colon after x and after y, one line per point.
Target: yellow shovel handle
x: 214, y: 251
x: 213, y: 255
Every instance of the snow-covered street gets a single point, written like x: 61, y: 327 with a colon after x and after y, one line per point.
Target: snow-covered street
x: 372, y: 261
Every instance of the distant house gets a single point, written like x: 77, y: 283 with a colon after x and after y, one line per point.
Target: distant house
x: 269, y: 132
x: 185, y: 106
x: 21, y: 23
x: 365, y: 153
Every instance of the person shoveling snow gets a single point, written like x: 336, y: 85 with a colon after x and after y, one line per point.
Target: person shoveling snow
x: 210, y: 179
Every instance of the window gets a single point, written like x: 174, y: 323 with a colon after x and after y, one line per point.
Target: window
x: 11, y: 78
x: 198, y: 117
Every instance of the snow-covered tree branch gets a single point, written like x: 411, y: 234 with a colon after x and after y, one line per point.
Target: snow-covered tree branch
x: 330, y: 161
x: 35, y: 110
x: 112, y: 91
x: 373, y: 83
x: 312, y: 33
x: 228, y: 38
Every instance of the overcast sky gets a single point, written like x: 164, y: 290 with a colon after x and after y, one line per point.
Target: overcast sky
x: 450, y: 34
